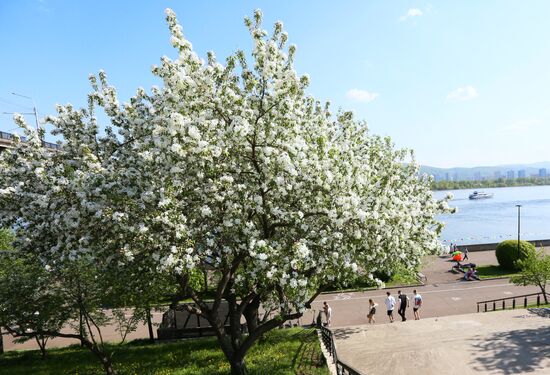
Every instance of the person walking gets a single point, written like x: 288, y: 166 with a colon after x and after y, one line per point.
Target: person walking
x: 403, y: 303
x: 417, y: 304
x: 390, y: 305
x: 372, y: 311
x: 328, y: 313
x: 465, y: 253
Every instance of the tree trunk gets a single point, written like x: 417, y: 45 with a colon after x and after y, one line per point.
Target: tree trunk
x: 107, y: 365
x: 543, y: 289
x: 251, y: 314
x: 205, y: 276
x: 238, y: 366
x: 1, y: 342
x: 105, y: 360
x: 150, y: 325
x: 81, y: 327
x: 42, y: 345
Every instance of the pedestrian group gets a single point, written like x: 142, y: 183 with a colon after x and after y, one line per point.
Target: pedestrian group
x: 403, y: 301
x: 390, y: 302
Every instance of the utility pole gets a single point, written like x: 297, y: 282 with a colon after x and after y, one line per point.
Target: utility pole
x: 34, y: 110
x: 519, y: 208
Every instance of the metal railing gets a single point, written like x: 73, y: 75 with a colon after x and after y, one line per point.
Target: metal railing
x: 328, y: 340
x: 500, y: 303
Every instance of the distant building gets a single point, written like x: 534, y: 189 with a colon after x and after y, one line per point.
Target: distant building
x: 498, y: 175
x: 455, y: 176
x: 521, y: 173
x: 542, y: 172
x: 447, y: 176
x: 477, y: 176
x: 510, y: 175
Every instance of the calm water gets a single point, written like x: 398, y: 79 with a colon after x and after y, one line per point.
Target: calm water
x: 496, y: 219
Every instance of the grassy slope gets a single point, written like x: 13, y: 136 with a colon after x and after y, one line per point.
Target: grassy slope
x: 289, y: 351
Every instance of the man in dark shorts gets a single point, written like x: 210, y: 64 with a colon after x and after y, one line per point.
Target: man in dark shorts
x: 403, y: 302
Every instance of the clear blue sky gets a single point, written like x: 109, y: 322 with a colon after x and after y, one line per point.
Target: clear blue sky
x: 463, y: 83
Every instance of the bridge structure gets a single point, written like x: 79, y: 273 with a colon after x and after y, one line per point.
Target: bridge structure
x: 7, y: 139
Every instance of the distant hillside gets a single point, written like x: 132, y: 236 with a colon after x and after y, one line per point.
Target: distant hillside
x: 485, y: 172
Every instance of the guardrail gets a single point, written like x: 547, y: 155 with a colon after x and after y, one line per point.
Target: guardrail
x: 500, y: 303
x: 328, y: 340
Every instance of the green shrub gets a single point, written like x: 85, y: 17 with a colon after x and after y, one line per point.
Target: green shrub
x: 507, y: 252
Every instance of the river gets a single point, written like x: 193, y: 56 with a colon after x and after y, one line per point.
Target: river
x: 496, y: 219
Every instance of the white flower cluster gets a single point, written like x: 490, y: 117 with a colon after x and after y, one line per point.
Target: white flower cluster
x: 225, y: 164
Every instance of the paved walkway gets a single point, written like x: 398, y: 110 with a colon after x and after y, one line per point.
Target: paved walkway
x: 445, y: 293
x: 502, y: 342
x: 438, y: 300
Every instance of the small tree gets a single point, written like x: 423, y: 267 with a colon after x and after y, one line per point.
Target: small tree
x: 39, y: 302
x: 67, y: 299
x: 6, y: 240
x: 535, y: 270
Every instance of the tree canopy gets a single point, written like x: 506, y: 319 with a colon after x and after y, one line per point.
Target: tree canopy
x: 231, y: 169
x: 535, y: 270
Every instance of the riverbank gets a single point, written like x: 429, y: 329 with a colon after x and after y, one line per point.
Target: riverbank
x: 518, y: 182
x: 493, y: 246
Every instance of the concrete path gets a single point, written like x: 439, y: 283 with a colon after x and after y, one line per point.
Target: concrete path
x: 502, y: 342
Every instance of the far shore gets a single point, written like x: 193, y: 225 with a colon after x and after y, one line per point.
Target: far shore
x: 469, y: 185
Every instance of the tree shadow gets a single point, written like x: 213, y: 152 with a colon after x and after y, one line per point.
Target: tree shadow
x: 512, y: 352
x: 344, y: 333
x: 544, y: 312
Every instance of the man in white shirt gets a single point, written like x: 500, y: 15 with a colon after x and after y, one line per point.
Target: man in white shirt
x: 390, y: 305
x: 328, y: 313
x: 417, y: 304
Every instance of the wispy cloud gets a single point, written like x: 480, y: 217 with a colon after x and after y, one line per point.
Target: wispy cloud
x: 361, y: 95
x: 463, y: 93
x: 413, y: 12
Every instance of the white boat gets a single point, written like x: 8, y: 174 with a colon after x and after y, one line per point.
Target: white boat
x: 480, y: 195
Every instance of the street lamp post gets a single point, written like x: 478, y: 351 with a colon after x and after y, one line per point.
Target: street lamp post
x: 519, y: 221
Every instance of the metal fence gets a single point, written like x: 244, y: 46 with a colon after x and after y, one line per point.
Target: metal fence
x: 500, y: 304
x: 328, y: 341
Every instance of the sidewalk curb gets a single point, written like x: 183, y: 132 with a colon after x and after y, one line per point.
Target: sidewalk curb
x: 371, y: 289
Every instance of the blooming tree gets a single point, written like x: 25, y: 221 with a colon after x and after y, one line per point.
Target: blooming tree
x: 230, y: 169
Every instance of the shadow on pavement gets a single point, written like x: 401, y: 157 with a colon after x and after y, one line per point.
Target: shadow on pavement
x: 344, y: 333
x: 513, y: 352
x: 544, y: 312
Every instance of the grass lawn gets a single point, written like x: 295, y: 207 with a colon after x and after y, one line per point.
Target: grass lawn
x: 487, y: 272
x: 284, y: 351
